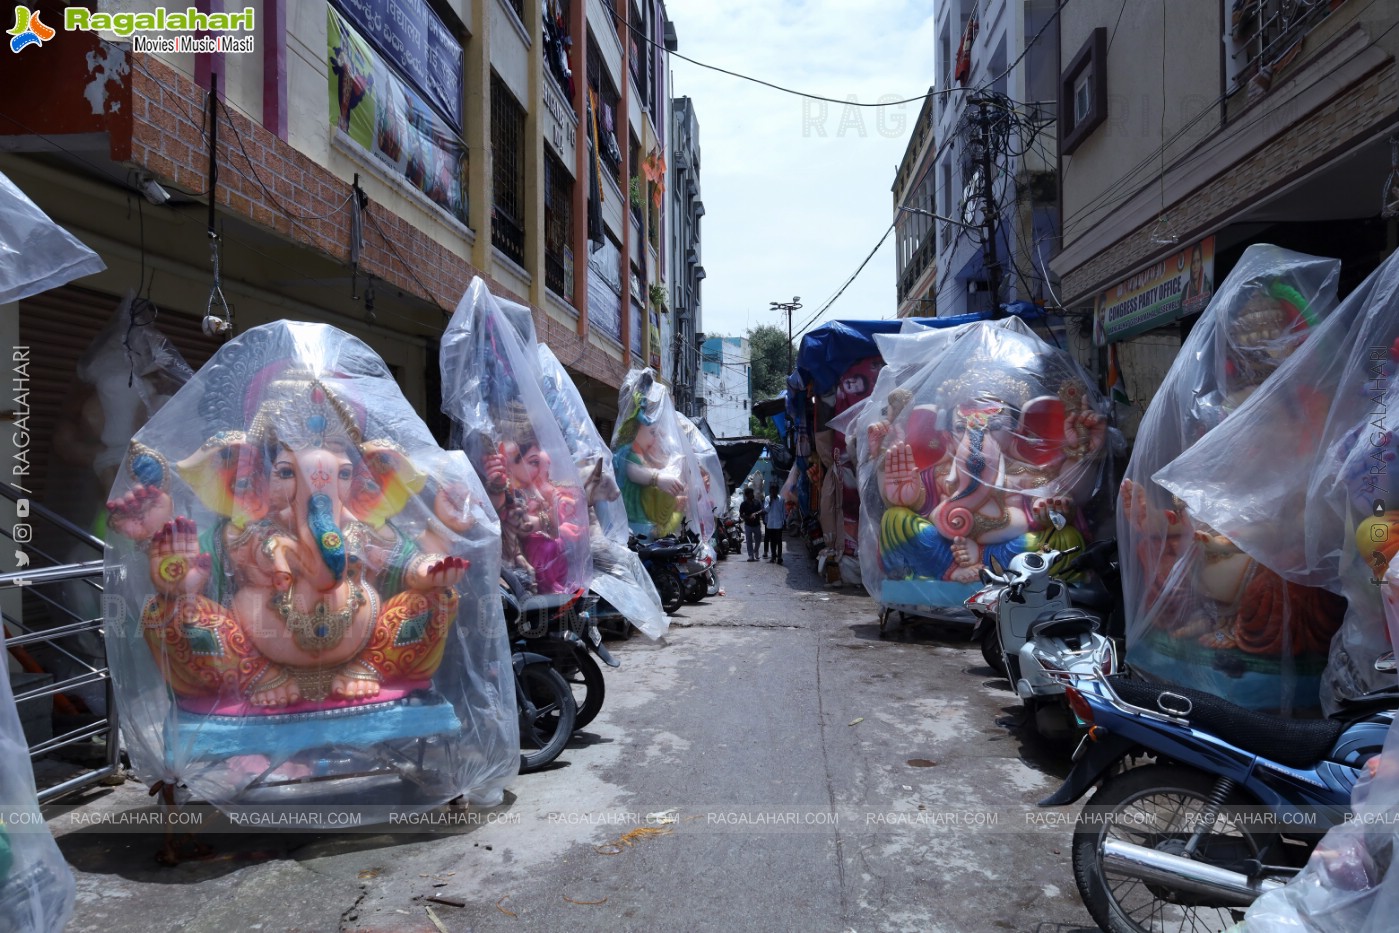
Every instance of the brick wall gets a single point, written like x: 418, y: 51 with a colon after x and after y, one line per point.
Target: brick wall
x: 1313, y: 140
x: 167, y: 113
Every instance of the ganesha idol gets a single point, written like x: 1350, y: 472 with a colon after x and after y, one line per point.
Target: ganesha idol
x: 997, y: 461
x: 301, y: 594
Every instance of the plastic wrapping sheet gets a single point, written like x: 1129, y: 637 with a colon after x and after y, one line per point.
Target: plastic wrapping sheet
x: 714, y: 499
x: 1302, y: 480
x: 618, y: 574
x: 36, y: 254
x: 854, y: 386
x: 493, y: 391
x: 301, y: 584
x: 1350, y: 884
x: 36, y: 885
x: 983, y: 443
x: 658, y: 473
x: 1200, y: 612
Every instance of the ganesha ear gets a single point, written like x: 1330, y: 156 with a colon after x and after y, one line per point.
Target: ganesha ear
x: 229, y: 476
x: 384, y: 483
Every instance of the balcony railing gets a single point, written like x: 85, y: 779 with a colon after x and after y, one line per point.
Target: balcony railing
x: 1265, y: 35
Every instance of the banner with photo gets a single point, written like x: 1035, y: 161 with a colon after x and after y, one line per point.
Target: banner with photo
x: 417, y: 44
x: 383, y: 115
x: 1179, y: 285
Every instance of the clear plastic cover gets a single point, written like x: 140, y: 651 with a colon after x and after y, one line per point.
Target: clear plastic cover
x: 983, y: 443
x: 618, y: 574
x: 657, y: 471
x: 36, y: 886
x: 1200, y: 612
x: 300, y: 584
x: 1349, y: 885
x: 492, y: 390
x: 1303, y: 479
x: 36, y: 254
x: 715, y: 497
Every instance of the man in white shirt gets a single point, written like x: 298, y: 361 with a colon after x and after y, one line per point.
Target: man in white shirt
x: 775, y: 517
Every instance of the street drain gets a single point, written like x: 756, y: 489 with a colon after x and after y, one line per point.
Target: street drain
x: 920, y: 763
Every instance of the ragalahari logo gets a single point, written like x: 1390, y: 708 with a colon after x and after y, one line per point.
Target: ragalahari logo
x: 28, y: 30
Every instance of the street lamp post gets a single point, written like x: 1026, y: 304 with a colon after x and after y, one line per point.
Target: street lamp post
x: 789, y: 307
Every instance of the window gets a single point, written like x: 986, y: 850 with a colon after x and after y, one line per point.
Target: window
x: 558, y: 227
x: 508, y: 177
x: 1083, y: 92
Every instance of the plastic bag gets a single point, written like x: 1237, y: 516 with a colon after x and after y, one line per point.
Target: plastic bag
x: 714, y: 499
x: 492, y: 390
x: 1200, y: 613
x: 301, y: 584
x: 1303, y: 479
x: 36, y: 886
x: 618, y: 574
x: 1349, y: 885
x: 984, y: 442
x: 657, y: 471
x: 36, y: 254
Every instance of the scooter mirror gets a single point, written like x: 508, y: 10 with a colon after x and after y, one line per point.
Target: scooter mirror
x: 996, y: 567
x: 985, y: 576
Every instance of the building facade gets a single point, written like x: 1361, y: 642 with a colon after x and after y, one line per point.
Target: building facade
x: 990, y: 176
x: 915, y: 213
x: 1203, y: 134
x: 728, y: 385
x: 362, y: 169
x: 687, y: 272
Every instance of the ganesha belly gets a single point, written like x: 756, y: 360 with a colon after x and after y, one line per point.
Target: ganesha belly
x: 301, y: 594
x: 970, y: 485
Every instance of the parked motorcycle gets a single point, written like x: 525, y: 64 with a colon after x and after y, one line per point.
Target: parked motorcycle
x: 563, y: 627
x: 1232, y: 806
x: 731, y: 534
x: 1030, y: 632
x: 549, y: 660
x: 701, y: 573
x: 665, y: 560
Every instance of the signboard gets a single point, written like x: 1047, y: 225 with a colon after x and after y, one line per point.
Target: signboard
x: 382, y: 114
x: 415, y: 42
x: 1178, y: 285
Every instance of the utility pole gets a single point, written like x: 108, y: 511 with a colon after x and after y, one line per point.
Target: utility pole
x: 988, y: 202
x: 789, y: 307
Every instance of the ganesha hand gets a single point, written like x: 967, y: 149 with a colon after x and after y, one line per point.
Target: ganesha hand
x: 1051, y: 511
x: 140, y: 514
x: 176, y: 563
x: 1087, y: 429
x: 497, y: 478
x: 452, y: 508
x: 1141, y: 517
x: 874, y: 437
x: 903, y: 482
x: 435, y: 572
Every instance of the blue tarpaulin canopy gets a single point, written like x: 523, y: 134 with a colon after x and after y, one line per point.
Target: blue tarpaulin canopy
x: 829, y: 350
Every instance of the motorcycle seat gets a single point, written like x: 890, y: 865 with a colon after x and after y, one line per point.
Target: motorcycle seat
x: 1065, y: 623
x: 1093, y: 596
x: 665, y: 551
x: 1296, y: 743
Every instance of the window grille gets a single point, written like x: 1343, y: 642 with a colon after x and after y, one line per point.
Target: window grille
x: 508, y: 176
x: 558, y: 227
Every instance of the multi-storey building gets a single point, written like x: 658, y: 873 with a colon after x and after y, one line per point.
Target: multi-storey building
x: 1185, y: 139
x: 728, y: 394
x: 357, y: 168
x: 686, y: 271
x: 990, y: 179
x: 915, y: 213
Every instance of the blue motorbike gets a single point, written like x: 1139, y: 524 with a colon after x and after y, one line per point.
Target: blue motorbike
x: 1232, y: 805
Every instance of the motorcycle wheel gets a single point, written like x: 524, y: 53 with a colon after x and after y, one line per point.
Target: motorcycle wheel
x: 1158, y: 807
x: 585, y: 682
x: 721, y: 547
x: 696, y: 588
x: 991, y: 651
x: 670, y: 591
x: 547, y: 713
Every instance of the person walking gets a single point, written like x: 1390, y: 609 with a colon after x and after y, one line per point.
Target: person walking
x: 751, y: 511
x: 776, y: 516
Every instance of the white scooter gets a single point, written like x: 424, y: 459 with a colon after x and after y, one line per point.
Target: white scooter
x: 1030, y: 632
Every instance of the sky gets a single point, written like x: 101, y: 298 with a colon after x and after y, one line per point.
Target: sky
x: 796, y: 191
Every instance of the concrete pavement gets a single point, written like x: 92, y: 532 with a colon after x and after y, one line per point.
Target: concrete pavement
x: 772, y: 764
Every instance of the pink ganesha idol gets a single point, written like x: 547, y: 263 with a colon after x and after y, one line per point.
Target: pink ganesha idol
x: 301, y: 594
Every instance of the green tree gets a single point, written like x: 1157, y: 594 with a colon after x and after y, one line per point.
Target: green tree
x: 768, y: 356
x: 763, y: 427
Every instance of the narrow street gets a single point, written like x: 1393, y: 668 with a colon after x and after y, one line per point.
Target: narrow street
x: 787, y: 767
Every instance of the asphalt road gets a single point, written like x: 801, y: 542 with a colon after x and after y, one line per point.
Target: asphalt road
x: 772, y: 764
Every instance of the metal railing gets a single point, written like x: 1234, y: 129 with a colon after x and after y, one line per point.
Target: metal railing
x: 48, y: 618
